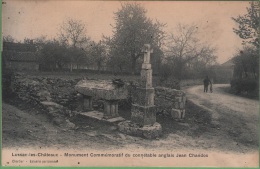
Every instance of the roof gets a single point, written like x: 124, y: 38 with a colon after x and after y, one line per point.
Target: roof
x: 20, y: 56
x: 228, y: 63
x: 18, y: 47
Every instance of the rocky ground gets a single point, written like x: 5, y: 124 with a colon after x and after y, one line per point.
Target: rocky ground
x: 29, y: 123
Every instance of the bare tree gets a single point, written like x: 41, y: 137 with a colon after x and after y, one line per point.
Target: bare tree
x: 72, y: 34
x: 8, y: 38
x: 185, y: 47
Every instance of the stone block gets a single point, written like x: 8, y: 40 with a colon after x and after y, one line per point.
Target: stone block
x: 143, y: 115
x: 146, y: 66
x: 150, y: 132
x: 181, y: 105
x: 87, y: 103
x: 146, y: 78
x: 101, y: 89
x: 176, y: 105
x: 176, y: 114
x: 184, y: 99
x: 178, y: 99
x: 111, y: 109
x: 182, y: 114
x: 143, y: 96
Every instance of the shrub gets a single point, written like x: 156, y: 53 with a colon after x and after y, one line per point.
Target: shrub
x: 244, y: 85
x: 7, y: 83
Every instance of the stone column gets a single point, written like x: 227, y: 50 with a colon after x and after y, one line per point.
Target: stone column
x: 111, y: 108
x: 143, y: 108
x: 87, y: 103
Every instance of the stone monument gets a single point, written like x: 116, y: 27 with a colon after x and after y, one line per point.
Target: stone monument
x: 143, y: 108
x: 105, y: 90
x: 143, y: 111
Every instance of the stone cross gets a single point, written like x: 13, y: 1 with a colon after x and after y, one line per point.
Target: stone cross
x: 147, y: 51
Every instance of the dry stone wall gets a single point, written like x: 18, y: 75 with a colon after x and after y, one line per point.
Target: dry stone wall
x: 51, y: 96
x: 167, y: 101
x: 170, y: 101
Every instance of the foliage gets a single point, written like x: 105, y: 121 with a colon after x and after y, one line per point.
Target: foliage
x: 53, y: 55
x: 8, y: 38
x: 248, y: 24
x: 131, y: 31
x: 185, y: 52
x: 98, y: 54
x: 246, y: 63
x: 165, y: 72
x: 72, y: 34
x: 244, y: 85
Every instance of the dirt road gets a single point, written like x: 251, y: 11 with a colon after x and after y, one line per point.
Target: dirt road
x: 246, y: 107
x: 236, y: 118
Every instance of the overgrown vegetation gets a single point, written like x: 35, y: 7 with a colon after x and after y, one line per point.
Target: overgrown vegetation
x: 246, y: 61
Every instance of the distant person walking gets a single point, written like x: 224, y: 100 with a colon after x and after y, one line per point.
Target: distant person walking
x: 206, y: 82
x: 210, y: 88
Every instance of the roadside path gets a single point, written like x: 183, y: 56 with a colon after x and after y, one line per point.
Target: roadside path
x: 235, y: 117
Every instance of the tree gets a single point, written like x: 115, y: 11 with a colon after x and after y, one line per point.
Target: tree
x: 53, y: 55
x: 8, y: 38
x: 247, y: 60
x: 73, y: 35
x: 131, y: 31
x: 246, y: 63
x: 98, y: 54
x: 184, y: 50
x: 248, y: 24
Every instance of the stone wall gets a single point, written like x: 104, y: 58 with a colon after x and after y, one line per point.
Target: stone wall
x: 167, y: 101
x: 170, y: 101
x: 52, y: 96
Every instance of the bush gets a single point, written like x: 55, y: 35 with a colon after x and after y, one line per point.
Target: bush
x: 244, y: 85
x: 7, y: 83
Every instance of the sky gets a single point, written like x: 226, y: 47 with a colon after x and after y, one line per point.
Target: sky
x: 33, y: 18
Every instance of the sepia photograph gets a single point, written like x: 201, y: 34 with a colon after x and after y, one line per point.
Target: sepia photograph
x: 130, y: 83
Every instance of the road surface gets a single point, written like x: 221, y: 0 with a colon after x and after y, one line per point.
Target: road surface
x: 236, y: 118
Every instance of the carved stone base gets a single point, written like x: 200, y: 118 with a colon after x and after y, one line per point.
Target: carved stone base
x: 143, y: 115
x: 87, y: 103
x: 111, y: 108
x: 148, y: 131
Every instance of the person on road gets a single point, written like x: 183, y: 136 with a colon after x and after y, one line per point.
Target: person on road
x: 206, y: 82
x: 211, y: 88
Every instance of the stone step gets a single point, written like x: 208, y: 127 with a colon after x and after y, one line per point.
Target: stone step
x: 100, y: 116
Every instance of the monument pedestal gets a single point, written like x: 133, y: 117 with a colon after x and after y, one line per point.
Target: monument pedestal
x: 148, y: 131
x: 143, y: 112
x: 87, y: 103
x: 111, y: 109
x: 143, y: 115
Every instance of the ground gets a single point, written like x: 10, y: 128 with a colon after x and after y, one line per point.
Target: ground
x: 236, y: 118
x: 214, y: 121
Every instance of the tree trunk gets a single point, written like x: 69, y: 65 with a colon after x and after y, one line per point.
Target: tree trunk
x: 180, y: 71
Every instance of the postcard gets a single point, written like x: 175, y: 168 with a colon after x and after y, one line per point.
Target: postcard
x: 130, y: 83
